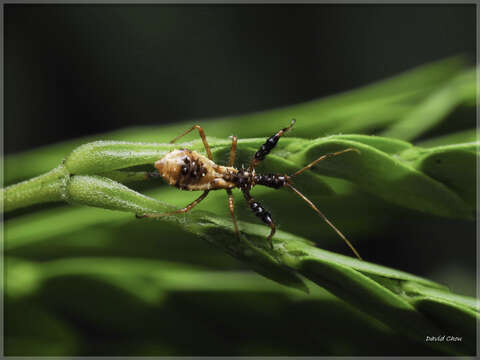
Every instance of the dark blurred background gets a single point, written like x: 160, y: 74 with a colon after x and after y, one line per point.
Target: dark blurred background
x: 75, y: 70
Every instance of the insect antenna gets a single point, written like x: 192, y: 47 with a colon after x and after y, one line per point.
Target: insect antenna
x: 323, y: 158
x: 325, y: 219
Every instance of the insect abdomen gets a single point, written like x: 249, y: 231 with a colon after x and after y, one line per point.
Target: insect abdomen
x: 192, y: 170
x: 184, y: 169
x: 188, y: 170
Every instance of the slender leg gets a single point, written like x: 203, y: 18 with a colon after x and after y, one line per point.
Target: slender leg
x: 202, y: 135
x: 180, y: 211
x: 263, y: 214
x: 233, y: 151
x: 152, y: 174
x: 325, y: 219
x: 268, y: 146
x: 322, y: 158
x: 231, y: 208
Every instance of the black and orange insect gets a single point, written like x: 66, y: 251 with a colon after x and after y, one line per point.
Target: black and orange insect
x: 189, y: 170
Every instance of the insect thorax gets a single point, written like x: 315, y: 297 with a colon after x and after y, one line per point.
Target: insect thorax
x: 243, y: 179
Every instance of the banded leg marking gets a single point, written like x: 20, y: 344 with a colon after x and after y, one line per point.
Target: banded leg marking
x: 268, y: 146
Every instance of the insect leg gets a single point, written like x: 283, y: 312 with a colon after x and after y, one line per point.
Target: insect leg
x: 325, y: 219
x: 229, y: 191
x: 233, y: 151
x: 202, y: 135
x: 152, y: 174
x: 231, y: 208
x: 268, y: 146
x: 180, y: 211
x: 322, y: 158
x: 263, y: 214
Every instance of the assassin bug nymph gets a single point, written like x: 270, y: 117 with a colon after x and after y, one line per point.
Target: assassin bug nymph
x: 189, y: 170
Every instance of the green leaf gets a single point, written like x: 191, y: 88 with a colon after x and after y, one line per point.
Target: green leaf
x: 149, y: 286
x: 393, y: 170
x: 339, y: 274
x: 432, y: 110
x: 135, y: 278
x: 385, y: 175
x: 466, y: 136
x: 454, y: 166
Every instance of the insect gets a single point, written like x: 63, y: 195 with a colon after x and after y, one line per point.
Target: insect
x: 189, y: 170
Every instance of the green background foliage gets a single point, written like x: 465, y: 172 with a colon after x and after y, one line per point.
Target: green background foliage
x: 100, y: 282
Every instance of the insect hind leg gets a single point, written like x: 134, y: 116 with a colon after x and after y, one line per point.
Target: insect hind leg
x: 202, y: 135
x: 312, y: 205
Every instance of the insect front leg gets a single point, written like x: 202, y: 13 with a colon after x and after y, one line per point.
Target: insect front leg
x: 180, y: 211
x: 202, y: 135
x: 323, y: 157
x: 263, y: 214
x: 268, y: 146
x: 231, y: 205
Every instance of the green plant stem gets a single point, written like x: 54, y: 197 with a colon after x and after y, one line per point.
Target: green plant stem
x: 49, y: 187
x: 384, y: 164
